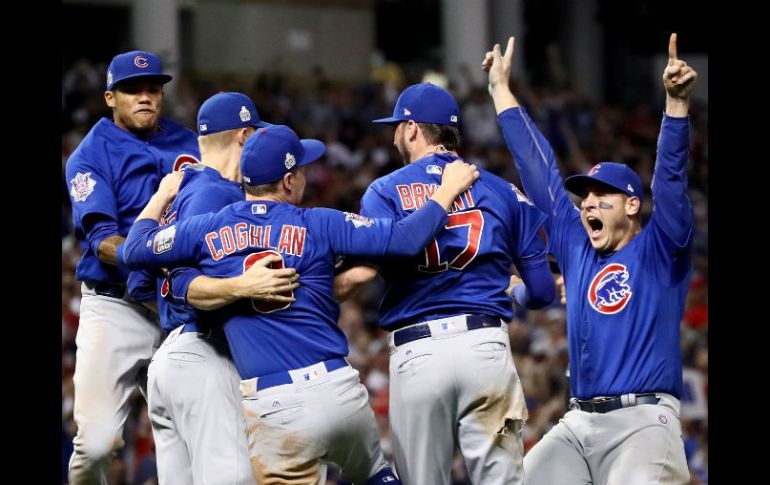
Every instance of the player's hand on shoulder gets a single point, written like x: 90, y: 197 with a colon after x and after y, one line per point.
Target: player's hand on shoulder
x: 459, y: 175
x: 262, y: 282
x: 169, y: 186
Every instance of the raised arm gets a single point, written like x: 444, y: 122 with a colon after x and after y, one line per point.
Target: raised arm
x: 532, y: 154
x: 672, y: 211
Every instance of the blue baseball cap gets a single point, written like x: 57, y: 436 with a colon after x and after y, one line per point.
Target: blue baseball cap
x: 617, y: 175
x: 135, y: 64
x: 425, y: 103
x: 227, y: 111
x: 274, y: 151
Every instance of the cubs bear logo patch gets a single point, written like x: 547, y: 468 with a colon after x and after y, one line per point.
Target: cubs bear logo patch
x: 609, y: 291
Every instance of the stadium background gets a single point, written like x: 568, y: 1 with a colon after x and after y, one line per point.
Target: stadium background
x: 588, y: 72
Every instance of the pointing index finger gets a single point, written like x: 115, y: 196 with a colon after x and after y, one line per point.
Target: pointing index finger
x: 672, y: 47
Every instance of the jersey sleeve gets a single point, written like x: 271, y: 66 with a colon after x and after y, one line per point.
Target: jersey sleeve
x: 151, y: 246
x: 542, y: 182
x: 355, y: 235
x: 180, y: 279
x: 90, y: 187
x: 671, y: 224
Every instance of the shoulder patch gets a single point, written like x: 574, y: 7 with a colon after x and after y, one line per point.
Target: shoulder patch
x: 164, y: 240
x: 433, y: 169
x: 358, y: 220
x: 520, y: 195
x: 82, y: 186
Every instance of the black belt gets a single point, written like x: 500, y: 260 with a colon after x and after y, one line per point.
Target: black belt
x: 113, y: 290
x: 422, y: 330
x: 607, y: 404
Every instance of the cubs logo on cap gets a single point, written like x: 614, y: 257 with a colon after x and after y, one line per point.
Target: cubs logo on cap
x: 619, y: 176
x: 135, y: 64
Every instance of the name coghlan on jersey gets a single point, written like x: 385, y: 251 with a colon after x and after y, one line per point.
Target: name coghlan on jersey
x: 230, y: 239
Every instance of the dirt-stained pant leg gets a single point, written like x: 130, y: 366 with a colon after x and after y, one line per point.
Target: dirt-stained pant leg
x: 115, y: 342
x: 294, y: 428
x: 355, y: 446
x: 491, y: 407
x: 456, y: 388
x: 195, y: 409
x: 557, y: 459
x: 422, y: 412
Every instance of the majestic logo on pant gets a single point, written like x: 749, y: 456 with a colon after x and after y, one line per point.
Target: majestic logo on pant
x: 609, y: 292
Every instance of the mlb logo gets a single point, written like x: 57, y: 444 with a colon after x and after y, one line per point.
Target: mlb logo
x: 259, y: 209
x: 447, y: 325
x: 433, y: 169
x: 309, y: 376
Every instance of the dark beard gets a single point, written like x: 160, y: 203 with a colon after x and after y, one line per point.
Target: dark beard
x: 403, y: 153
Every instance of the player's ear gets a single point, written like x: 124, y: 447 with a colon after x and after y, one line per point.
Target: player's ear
x: 243, y: 135
x: 633, y: 204
x: 288, y: 181
x: 109, y: 98
x: 411, y: 130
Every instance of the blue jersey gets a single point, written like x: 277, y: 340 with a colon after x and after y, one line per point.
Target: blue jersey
x: 114, y: 173
x: 623, y: 308
x: 203, y: 190
x: 466, y: 268
x: 266, y: 337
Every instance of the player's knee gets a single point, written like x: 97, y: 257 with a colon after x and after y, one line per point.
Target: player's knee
x: 97, y: 442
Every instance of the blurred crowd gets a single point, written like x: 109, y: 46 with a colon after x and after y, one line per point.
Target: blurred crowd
x: 339, y: 113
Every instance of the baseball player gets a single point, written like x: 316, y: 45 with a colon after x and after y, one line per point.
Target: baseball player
x: 112, y: 175
x: 302, y: 400
x: 194, y: 400
x: 626, y: 288
x: 452, y: 377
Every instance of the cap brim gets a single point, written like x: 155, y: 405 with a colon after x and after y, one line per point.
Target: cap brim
x: 314, y: 149
x: 389, y: 120
x: 160, y: 78
x: 262, y: 124
x: 577, y: 184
